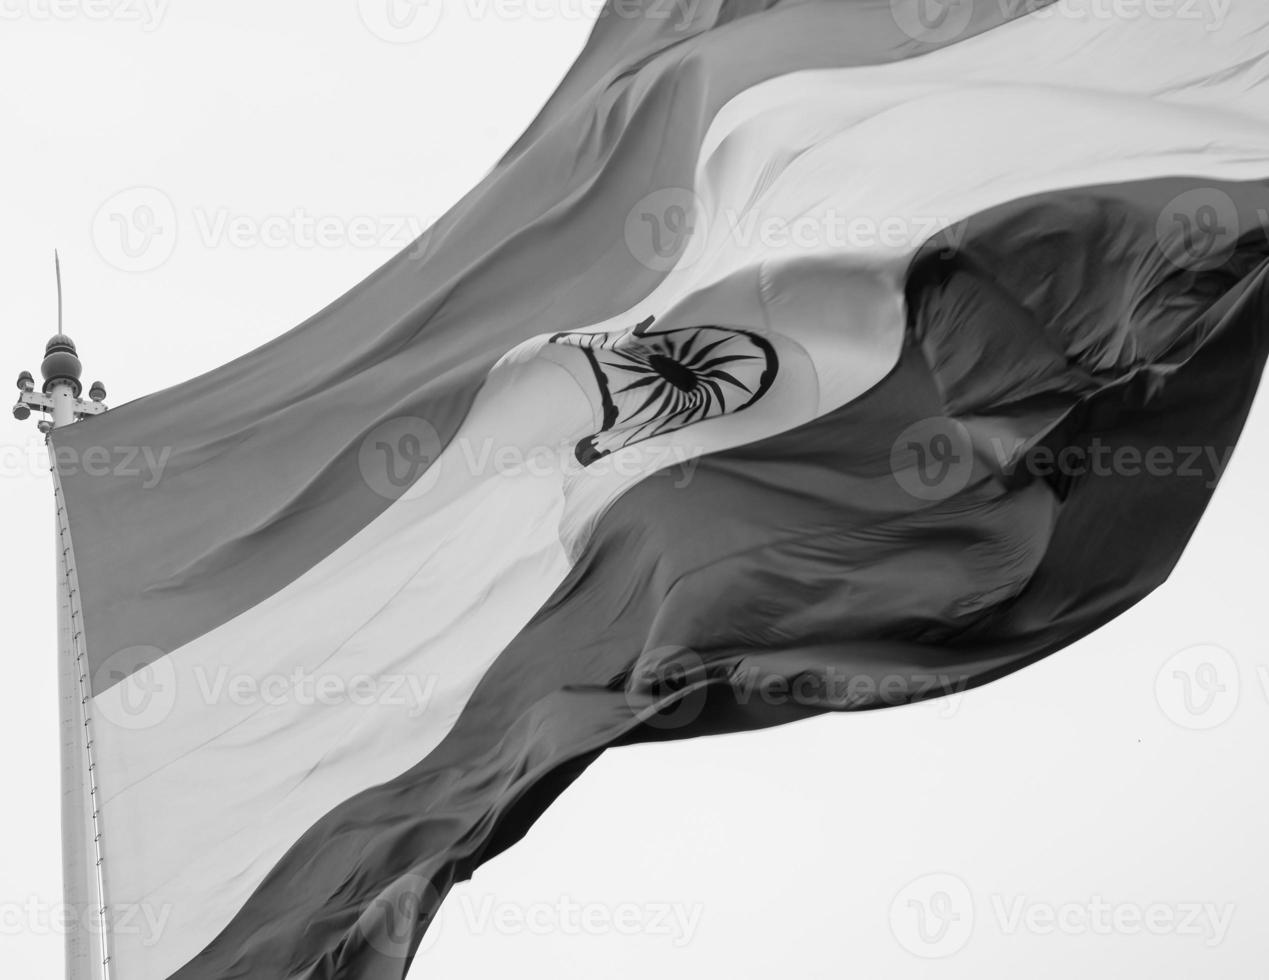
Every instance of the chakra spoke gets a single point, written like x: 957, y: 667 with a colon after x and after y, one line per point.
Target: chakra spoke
x: 636, y: 368
x: 682, y: 354
x: 714, y: 387
x: 666, y: 401
x: 727, y: 377
x: 655, y: 394
x: 635, y: 354
x: 704, y: 352
x: 726, y: 360
x: 650, y: 380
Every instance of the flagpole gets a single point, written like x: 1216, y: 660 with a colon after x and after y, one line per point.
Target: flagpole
x: 83, y: 877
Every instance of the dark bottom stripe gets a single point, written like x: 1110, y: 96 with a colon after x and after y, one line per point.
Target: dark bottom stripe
x: 922, y: 540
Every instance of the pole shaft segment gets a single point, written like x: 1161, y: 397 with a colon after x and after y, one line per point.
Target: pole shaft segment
x: 87, y: 946
x: 63, y: 396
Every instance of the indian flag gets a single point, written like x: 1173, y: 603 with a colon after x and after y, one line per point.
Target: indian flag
x: 801, y: 356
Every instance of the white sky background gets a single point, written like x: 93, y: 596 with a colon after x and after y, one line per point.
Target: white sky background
x: 1081, y: 787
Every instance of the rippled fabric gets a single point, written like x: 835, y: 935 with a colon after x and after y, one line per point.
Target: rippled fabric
x: 802, y: 573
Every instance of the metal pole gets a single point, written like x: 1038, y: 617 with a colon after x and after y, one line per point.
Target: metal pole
x: 84, y: 860
x: 62, y: 396
x: 83, y: 881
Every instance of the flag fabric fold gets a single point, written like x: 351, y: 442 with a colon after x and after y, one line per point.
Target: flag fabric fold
x: 799, y: 357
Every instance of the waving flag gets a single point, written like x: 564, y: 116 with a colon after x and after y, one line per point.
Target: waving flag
x: 800, y: 356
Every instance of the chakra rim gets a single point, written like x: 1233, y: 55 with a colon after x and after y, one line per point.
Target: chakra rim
x: 651, y: 384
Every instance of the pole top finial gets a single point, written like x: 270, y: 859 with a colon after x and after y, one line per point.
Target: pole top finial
x: 61, y: 364
x: 59, y: 341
